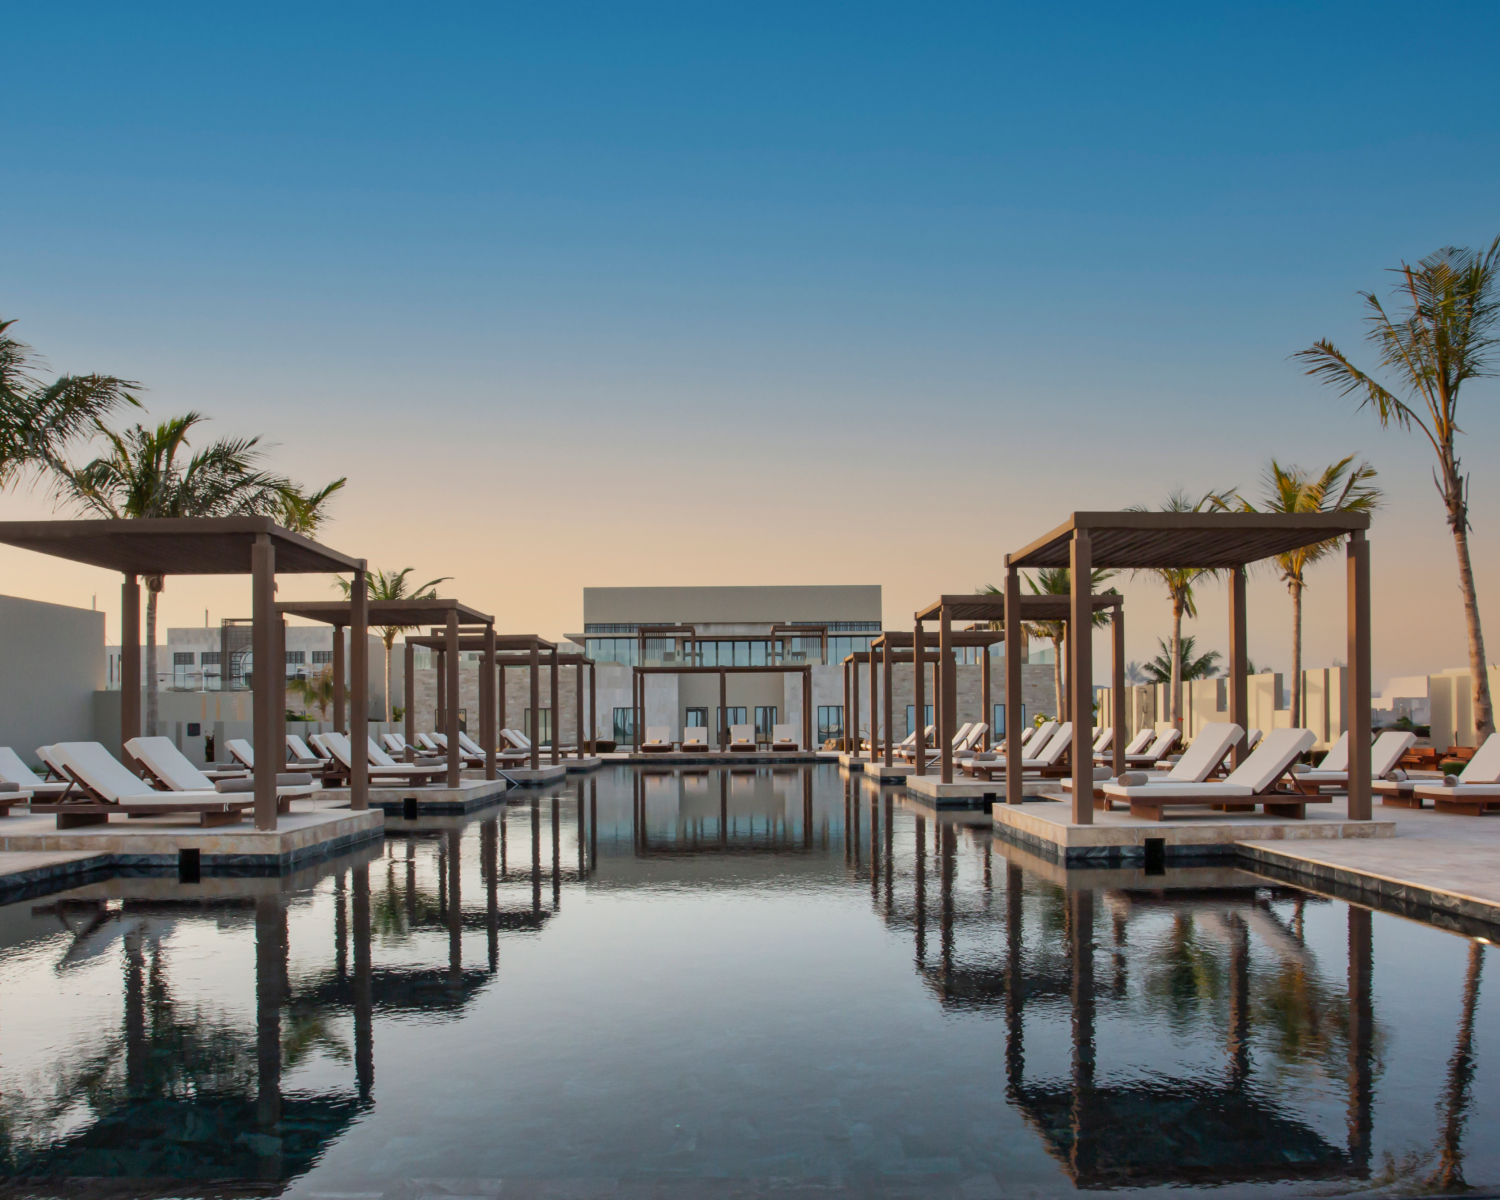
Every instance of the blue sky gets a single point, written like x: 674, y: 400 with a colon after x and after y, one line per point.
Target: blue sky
x: 780, y: 267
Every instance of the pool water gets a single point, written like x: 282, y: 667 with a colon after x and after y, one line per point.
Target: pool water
x: 733, y: 983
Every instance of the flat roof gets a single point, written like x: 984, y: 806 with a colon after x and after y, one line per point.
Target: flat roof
x: 176, y: 546
x: 385, y: 612
x: 762, y: 605
x: 1170, y: 539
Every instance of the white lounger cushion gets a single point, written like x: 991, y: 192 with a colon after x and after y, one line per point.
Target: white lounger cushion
x: 658, y: 735
x: 469, y: 746
x: 1484, y: 767
x: 1138, y: 744
x: 300, y: 750
x: 102, y: 772
x: 167, y: 763
x: 784, y: 733
x: 1207, y: 751
x: 1267, y: 763
x: 1387, y: 751
x: 1105, y: 740
x: 695, y: 735
x: 742, y: 734
x: 13, y: 770
x: 1164, y: 742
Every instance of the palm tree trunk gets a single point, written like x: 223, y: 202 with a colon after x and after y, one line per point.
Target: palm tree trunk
x: 1176, y: 684
x: 153, y: 590
x: 1295, y: 587
x: 1484, y: 713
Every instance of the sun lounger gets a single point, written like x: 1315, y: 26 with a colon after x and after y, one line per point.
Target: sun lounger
x: 466, y: 757
x: 1472, y: 793
x: 784, y: 737
x: 908, y: 749
x: 106, y: 786
x: 1138, y: 744
x: 695, y: 739
x: 414, y: 774
x: 396, y: 747
x: 1250, y: 783
x: 970, y: 745
x: 171, y: 769
x: 1104, y: 741
x: 742, y: 739
x: 1156, y: 751
x: 1196, y: 764
x: 1333, y: 771
x: 1033, y: 741
x: 13, y: 770
x: 298, y: 752
x: 960, y: 742
x: 1047, y: 762
x: 658, y: 740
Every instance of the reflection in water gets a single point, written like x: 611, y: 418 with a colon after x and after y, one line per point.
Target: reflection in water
x: 1098, y: 1029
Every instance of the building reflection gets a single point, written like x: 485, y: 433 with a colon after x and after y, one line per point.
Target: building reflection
x: 726, y: 810
x: 1027, y: 937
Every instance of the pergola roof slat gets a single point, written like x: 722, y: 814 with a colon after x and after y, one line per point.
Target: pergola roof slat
x: 175, y: 546
x: 1142, y: 540
x: 385, y: 612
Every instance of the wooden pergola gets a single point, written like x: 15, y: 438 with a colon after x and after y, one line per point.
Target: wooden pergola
x: 492, y: 711
x: 992, y: 608
x: 638, y: 693
x: 852, y: 662
x: 1221, y: 541
x: 410, y: 613
x: 254, y: 546
x: 889, y: 643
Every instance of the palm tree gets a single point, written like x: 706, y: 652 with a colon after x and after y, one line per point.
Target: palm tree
x: 392, y: 585
x: 38, y: 420
x: 315, y: 691
x: 1159, y: 669
x: 142, y: 477
x: 1339, y: 488
x: 1443, y: 336
x: 1179, y: 583
x: 1057, y: 581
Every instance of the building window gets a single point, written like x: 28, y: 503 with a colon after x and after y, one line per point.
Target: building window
x: 542, y: 739
x: 616, y: 650
x: 321, y: 657
x: 182, y: 658
x: 624, y: 727
x: 830, y: 722
x: 210, y: 658
x: 911, y: 718
x: 728, y: 717
x: 295, y: 658
x: 765, y: 722
x: 697, y: 718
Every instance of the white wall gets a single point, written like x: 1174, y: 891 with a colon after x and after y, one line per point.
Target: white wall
x: 51, y: 664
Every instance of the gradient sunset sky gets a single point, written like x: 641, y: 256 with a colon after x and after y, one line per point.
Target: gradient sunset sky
x: 629, y: 294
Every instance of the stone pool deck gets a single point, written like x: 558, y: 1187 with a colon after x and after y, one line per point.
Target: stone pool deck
x: 1435, y: 860
x: 307, y: 833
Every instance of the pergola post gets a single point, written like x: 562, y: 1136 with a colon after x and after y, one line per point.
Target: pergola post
x: 130, y: 661
x: 440, y: 696
x: 1013, y: 684
x: 919, y: 688
x: 987, y: 704
x: 874, y: 714
x: 848, y: 666
x: 490, y: 731
x: 536, y: 702
x: 1357, y: 697
x: 500, y: 700
x: 359, y: 685
x: 263, y: 702
x: 807, y: 713
x: 593, y: 714
x: 450, y: 703
x: 281, y: 687
x: 723, y: 713
x: 854, y: 699
x: 947, y: 696
x: 340, y: 712
x: 885, y: 654
x: 1239, y: 690
x: 409, y: 716
x: 578, y: 721
x: 554, y: 718
x: 1117, y: 688
x: 1081, y: 685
